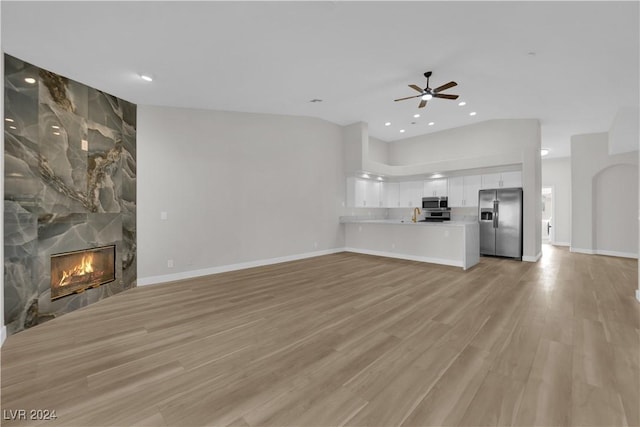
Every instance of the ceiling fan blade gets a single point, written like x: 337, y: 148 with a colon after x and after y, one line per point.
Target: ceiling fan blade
x: 422, y: 103
x: 445, y: 96
x: 416, y: 87
x: 445, y: 86
x: 408, y: 97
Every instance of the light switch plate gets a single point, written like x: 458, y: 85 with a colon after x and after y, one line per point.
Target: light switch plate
x: 85, y: 145
x: 163, y: 215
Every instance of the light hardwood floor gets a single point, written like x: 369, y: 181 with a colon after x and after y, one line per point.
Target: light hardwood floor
x: 345, y: 339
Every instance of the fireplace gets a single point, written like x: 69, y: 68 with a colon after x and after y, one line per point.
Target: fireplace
x: 74, y: 272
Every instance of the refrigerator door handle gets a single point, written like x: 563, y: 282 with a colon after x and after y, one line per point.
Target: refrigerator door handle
x: 495, y: 213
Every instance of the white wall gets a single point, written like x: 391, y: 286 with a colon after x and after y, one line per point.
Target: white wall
x: 589, y: 157
x: 556, y: 173
x: 624, y: 134
x: 485, y: 144
x: 378, y: 150
x: 237, y: 188
x: 615, y: 207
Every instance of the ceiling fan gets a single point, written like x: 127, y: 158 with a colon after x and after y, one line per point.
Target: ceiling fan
x: 427, y: 93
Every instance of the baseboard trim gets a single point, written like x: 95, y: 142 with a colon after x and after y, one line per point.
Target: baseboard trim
x: 561, y: 244
x: 603, y: 252
x: 528, y: 258
x: 582, y: 251
x: 406, y: 257
x: 618, y: 254
x: 638, y: 294
x: 3, y: 334
x: 155, y: 280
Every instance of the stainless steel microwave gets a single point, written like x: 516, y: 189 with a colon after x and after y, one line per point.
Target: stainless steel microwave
x: 435, y: 202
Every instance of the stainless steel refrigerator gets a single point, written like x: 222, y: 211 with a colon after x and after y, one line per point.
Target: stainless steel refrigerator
x: 500, y: 217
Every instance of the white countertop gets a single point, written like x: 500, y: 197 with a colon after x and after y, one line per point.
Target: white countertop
x: 347, y: 220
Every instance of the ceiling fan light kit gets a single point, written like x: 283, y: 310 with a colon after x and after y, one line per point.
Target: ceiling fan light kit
x: 428, y: 93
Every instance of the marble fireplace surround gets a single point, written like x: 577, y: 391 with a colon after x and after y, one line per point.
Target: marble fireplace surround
x: 70, y: 184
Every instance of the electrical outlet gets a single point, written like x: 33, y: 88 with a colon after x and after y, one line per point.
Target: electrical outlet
x: 170, y: 263
x: 315, y: 245
x: 163, y: 215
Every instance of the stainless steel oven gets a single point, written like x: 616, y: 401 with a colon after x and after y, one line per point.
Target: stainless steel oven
x: 437, y: 215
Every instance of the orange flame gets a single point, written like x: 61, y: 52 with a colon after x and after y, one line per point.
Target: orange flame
x: 85, y: 267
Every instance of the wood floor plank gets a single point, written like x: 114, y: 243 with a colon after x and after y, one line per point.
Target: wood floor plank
x: 345, y: 339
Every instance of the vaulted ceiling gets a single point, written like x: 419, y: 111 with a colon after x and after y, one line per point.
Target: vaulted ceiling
x: 572, y: 65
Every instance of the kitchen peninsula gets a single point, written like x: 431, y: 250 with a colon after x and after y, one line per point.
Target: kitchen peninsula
x: 454, y: 243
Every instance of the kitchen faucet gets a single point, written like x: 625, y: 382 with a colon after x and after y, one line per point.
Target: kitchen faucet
x: 416, y: 212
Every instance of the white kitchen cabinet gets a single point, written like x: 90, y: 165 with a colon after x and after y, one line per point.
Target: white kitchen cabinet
x: 463, y: 191
x: 390, y: 194
x: 491, y: 180
x: 372, y: 194
x: 502, y: 180
x: 362, y: 193
x: 435, y: 188
x: 456, y: 191
x: 411, y: 194
x: 472, y: 184
x: 511, y: 179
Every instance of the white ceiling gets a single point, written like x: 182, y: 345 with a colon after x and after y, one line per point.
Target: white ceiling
x: 572, y: 64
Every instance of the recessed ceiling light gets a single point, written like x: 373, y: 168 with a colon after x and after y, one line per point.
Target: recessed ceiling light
x: 365, y: 175
x: 30, y: 80
x: 55, y: 127
x: 379, y: 178
x: 146, y: 77
x: 462, y: 103
x: 436, y: 175
x: 544, y: 152
x: 401, y: 130
x: 12, y: 127
x: 387, y: 124
x: 473, y: 113
x: 56, y: 133
x: 416, y: 115
x: 8, y: 120
x: 431, y: 123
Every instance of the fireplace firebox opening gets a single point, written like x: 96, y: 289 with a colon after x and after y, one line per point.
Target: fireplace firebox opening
x: 76, y: 271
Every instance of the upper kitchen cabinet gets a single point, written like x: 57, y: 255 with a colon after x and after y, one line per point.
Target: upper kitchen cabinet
x: 411, y: 194
x: 511, y: 179
x: 502, y: 180
x: 463, y: 191
x: 435, y: 188
x: 390, y: 194
x: 363, y: 193
x: 456, y: 191
x: 472, y: 185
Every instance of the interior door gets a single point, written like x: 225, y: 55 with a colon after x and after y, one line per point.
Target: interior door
x: 547, y: 212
